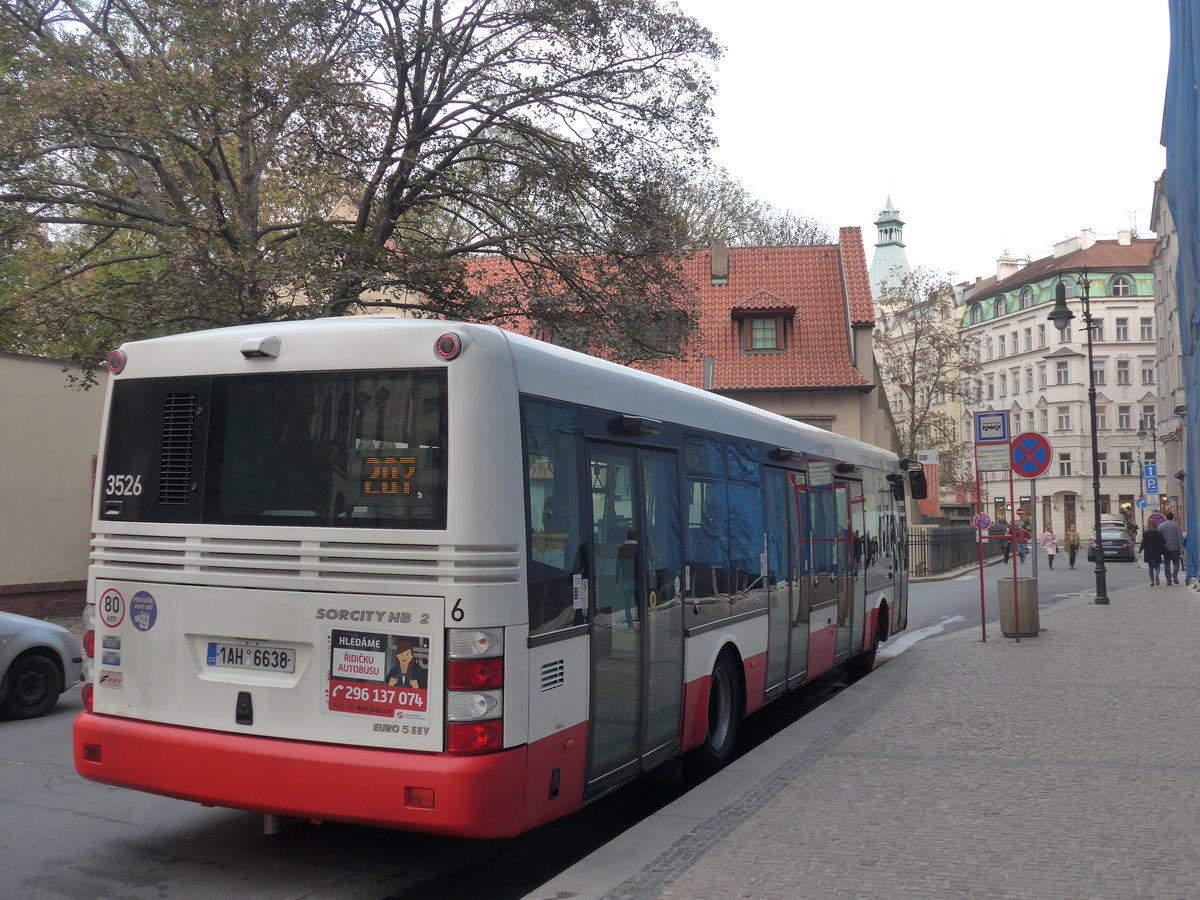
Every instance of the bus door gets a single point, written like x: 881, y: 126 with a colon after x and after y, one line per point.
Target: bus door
x: 787, y: 647
x: 826, y: 536
x: 637, y: 613
x: 850, y: 508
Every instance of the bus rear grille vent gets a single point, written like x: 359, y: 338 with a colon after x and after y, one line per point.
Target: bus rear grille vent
x: 175, y: 464
x: 554, y: 674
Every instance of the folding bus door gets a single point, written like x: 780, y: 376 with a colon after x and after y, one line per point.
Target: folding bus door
x: 637, y: 618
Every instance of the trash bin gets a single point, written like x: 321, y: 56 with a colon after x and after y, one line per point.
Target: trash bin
x: 1025, y: 615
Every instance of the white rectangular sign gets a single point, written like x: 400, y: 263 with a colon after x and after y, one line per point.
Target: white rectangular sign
x: 989, y: 458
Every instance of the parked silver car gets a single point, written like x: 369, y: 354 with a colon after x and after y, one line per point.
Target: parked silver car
x: 38, y: 661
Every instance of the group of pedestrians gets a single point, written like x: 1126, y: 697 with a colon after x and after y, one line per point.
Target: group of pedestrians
x: 1162, y: 546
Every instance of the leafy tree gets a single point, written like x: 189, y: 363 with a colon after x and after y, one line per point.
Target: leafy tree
x: 211, y: 164
x: 922, y: 357
x: 712, y: 205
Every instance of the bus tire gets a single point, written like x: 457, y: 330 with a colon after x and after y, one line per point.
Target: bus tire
x: 861, y: 665
x: 34, y: 684
x: 725, y: 706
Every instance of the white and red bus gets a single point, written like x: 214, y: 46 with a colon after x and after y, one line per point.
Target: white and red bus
x: 446, y: 578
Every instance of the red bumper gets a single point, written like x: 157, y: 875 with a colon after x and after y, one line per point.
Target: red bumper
x: 473, y: 796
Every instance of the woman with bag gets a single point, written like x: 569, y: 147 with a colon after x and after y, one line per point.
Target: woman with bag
x: 1153, y: 548
x: 1049, y: 543
x: 1073, y: 544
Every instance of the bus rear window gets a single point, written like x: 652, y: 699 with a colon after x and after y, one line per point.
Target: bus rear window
x: 352, y: 449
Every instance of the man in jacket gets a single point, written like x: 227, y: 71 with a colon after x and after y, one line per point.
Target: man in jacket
x: 1174, y: 544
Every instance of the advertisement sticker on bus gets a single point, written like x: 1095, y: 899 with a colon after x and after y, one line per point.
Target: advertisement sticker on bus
x: 382, y: 675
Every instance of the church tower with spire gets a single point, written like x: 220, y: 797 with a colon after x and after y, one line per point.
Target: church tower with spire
x: 889, y: 265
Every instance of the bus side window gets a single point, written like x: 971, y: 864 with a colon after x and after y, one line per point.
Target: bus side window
x: 553, y: 454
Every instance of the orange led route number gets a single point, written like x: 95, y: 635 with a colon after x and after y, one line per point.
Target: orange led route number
x: 389, y: 475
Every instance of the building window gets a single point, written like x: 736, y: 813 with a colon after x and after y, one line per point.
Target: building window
x: 1148, y: 417
x: 762, y: 334
x: 1043, y: 420
x: 1029, y: 420
x: 1064, y: 336
x: 1029, y: 379
x: 1147, y: 371
x: 1098, y: 369
x: 1016, y: 424
x: 1122, y: 329
x: 1102, y: 418
x: 975, y: 316
x: 1016, y: 347
x: 991, y: 388
x: 1064, y: 464
x: 1122, y: 286
x: 1126, y: 458
x: 1041, y: 377
x: 1124, y: 418
x: 1000, y: 307
x: 1026, y: 297
x: 987, y: 346
x: 1000, y: 346
x: 1042, y: 335
x: 1102, y: 463
x: 1060, y: 372
x: 1147, y: 329
x: 1097, y: 329
x: 1123, y: 372
x: 1003, y: 385
x: 1028, y: 338
x: 1064, y: 418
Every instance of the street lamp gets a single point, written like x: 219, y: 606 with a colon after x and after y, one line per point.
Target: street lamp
x: 1061, y: 316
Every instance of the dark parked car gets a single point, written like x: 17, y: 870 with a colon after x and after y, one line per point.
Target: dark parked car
x: 38, y: 661
x: 1117, y: 545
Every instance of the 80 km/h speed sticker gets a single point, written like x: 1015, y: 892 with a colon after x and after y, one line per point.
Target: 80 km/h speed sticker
x: 112, y: 608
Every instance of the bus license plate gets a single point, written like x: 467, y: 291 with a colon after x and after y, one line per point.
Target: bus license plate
x: 252, y: 656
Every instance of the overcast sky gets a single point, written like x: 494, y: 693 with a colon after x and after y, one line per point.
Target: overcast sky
x: 993, y: 126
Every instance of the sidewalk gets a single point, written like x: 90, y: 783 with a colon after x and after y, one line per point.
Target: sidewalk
x: 1065, y: 766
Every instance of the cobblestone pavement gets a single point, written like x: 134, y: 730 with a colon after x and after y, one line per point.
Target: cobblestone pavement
x: 1062, y: 766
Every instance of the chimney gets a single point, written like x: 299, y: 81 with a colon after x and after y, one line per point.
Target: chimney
x: 720, y: 263
x: 1008, y: 265
x: 1125, y: 238
x: 1087, y: 238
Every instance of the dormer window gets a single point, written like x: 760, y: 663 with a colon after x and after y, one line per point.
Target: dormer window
x: 1122, y: 286
x: 761, y: 323
x: 762, y: 333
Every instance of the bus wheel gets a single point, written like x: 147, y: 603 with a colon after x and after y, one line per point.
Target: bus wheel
x: 33, y: 687
x: 861, y: 665
x: 724, y: 716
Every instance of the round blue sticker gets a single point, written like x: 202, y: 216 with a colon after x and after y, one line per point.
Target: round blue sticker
x: 143, y: 610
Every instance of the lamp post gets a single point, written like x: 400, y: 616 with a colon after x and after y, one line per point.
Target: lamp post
x: 1061, y: 316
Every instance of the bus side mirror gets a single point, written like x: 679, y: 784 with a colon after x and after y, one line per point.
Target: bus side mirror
x: 897, y: 484
x: 917, y: 485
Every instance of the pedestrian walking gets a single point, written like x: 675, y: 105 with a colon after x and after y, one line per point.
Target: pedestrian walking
x: 1152, y: 548
x: 1049, y: 543
x: 1023, y: 536
x: 1073, y: 544
x: 1005, y: 531
x: 1172, y: 545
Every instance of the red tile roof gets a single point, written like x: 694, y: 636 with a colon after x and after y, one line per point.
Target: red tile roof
x: 806, y: 278
x: 813, y: 287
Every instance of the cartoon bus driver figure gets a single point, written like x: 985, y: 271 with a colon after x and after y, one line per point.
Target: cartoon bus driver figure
x: 406, y: 672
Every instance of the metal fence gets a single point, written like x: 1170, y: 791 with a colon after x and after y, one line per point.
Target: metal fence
x: 936, y: 551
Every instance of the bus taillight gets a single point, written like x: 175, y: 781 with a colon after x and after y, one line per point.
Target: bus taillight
x: 475, y: 737
x: 474, y: 690
x: 475, y: 674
